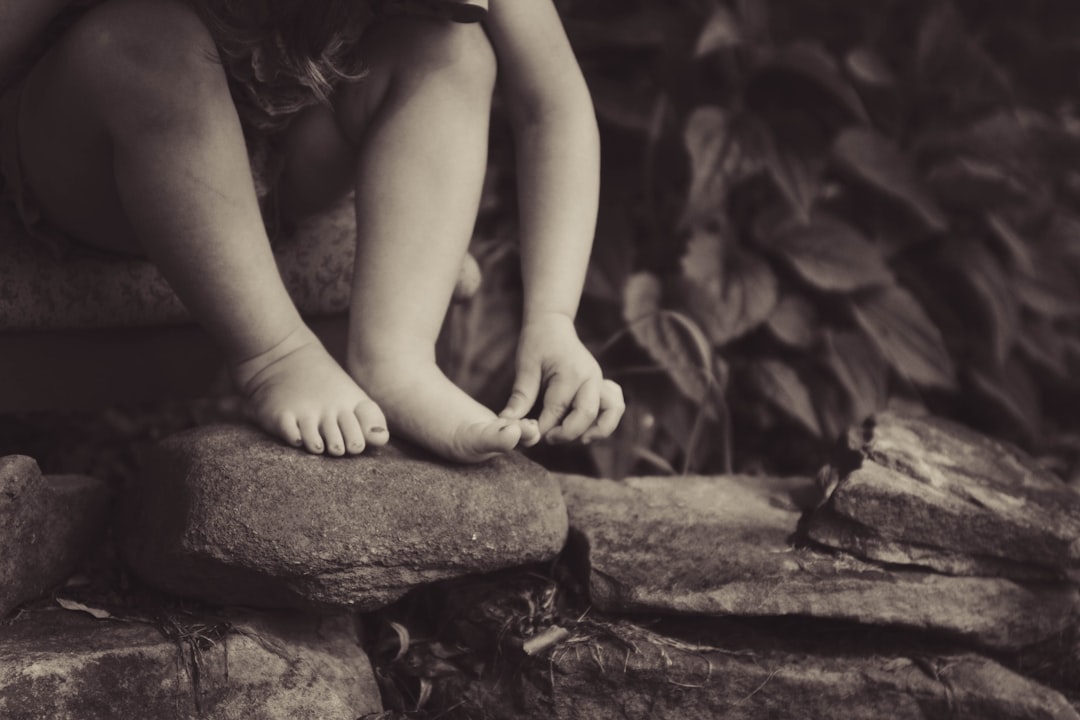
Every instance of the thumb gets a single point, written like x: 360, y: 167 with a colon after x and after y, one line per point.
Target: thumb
x: 526, y: 390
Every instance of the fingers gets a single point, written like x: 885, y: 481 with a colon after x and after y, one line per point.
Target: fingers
x: 586, y: 406
x: 612, y: 407
x: 526, y: 389
x: 557, y: 399
x: 530, y: 433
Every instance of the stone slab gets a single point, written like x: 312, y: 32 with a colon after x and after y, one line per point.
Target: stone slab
x: 615, y: 669
x: 61, y: 665
x: 226, y: 514
x: 722, y: 546
x: 632, y: 673
x: 46, y: 524
x: 926, y: 483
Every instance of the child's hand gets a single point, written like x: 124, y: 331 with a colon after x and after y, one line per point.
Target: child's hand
x: 579, y: 404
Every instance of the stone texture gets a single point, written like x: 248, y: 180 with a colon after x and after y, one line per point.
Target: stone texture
x: 723, y: 546
x: 634, y: 673
x: 619, y: 671
x: 226, y: 514
x: 930, y: 492
x: 60, y: 665
x: 46, y: 524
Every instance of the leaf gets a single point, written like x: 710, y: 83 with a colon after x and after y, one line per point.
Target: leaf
x: 1043, y: 344
x: 77, y: 606
x: 782, y: 387
x: 730, y: 293
x: 832, y: 255
x: 794, y: 322
x: 721, y: 153
x: 974, y: 183
x: 813, y: 62
x: 1015, y: 246
x: 997, y: 298
x: 877, y: 161
x: 670, y: 338
x: 899, y: 327
x: 721, y: 32
x: 867, y: 67
x: 861, y: 370
x: 1013, y: 390
x: 797, y: 176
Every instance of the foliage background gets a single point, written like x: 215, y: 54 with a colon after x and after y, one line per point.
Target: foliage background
x: 812, y: 209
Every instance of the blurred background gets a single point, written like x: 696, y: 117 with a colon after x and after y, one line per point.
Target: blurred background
x: 810, y: 210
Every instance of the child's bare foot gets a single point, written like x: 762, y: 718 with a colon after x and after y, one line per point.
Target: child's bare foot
x: 427, y: 408
x: 300, y: 394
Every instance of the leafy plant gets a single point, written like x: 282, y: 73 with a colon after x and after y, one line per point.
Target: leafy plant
x: 811, y: 208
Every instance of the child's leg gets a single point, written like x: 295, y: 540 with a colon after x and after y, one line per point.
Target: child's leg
x: 130, y: 141
x: 420, y: 121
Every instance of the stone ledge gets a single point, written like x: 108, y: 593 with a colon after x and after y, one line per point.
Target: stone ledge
x: 229, y: 515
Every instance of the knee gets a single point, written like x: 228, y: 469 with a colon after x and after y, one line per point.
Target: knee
x: 404, y: 52
x: 143, y: 58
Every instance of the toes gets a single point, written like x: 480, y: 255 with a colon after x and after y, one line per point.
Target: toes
x: 372, y: 422
x: 312, y: 438
x: 352, y: 433
x: 286, y: 428
x: 495, y: 437
x: 331, y: 433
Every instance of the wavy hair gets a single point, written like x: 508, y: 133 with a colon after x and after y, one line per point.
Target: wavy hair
x: 283, y: 55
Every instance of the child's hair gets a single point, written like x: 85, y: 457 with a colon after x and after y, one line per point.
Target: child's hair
x: 286, y: 54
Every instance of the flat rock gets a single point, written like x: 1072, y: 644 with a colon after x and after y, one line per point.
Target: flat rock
x: 228, y: 515
x: 721, y: 546
x: 624, y: 672
x: 61, y: 665
x: 933, y: 493
x: 46, y: 524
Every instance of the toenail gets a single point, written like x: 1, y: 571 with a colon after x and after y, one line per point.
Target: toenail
x: 377, y: 430
x: 335, y: 448
x: 318, y: 447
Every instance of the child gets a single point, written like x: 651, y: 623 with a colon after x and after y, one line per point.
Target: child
x: 141, y: 126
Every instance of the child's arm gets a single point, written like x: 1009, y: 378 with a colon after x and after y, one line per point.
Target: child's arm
x: 558, y: 155
x: 20, y: 22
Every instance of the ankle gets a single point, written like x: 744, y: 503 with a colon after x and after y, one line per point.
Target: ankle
x: 246, y: 372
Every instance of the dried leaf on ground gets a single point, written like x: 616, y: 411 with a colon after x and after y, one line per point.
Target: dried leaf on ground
x: 77, y: 606
x: 897, y: 324
x: 832, y: 255
x: 877, y: 161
